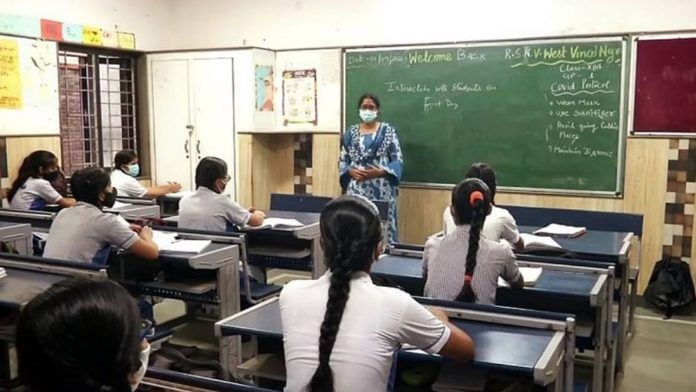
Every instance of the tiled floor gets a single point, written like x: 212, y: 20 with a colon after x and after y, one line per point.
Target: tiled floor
x: 662, y: 356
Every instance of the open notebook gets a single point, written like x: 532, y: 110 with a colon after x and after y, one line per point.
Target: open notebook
x: 277, y: 223
x: 536, y: 242
x: 554, y: 229
x: 169, y: 242
x: 529, y: 274
x: 119, y: 204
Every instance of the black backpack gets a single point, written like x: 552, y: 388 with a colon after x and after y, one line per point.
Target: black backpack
x: 670, y: 285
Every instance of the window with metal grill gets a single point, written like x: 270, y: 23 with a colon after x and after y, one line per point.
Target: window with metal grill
x: 98, y: 114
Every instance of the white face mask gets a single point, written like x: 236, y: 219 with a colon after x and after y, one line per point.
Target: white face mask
x: 367, y: 116
x: 144, y: 361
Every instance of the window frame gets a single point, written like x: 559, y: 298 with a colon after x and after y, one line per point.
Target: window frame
x: 95, y: 53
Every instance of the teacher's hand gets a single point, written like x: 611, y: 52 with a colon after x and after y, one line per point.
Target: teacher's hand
x: 357, y: 174
x: 374, y: 172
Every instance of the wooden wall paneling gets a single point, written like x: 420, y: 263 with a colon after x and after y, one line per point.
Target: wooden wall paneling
x: 325, y: 150
x: 272, y: 167
x: 645, y: 189
x: 244, y: 183
x: 420, y: 213
x: 20, y: 147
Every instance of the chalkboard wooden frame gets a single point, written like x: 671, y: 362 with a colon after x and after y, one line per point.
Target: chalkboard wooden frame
x: 622, y: 108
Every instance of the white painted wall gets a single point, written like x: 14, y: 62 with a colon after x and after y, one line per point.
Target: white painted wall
x: 287, y: 24
x: 283, y: 24
x: 327, y: 63
x: 150, y: 20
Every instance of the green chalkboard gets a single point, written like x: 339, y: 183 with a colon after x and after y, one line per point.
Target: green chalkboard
x: 546, y: 115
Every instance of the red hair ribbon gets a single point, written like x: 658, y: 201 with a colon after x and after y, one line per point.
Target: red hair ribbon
x: 474, y: 197
x: 468, y: 278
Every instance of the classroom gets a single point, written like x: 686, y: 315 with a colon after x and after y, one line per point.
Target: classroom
x: 325, y: 195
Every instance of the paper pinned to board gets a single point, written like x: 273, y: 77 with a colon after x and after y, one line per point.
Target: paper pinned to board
x: 126, y: 40
x: 10, y: 80
x: 92, y: 36
x: 72, y: 33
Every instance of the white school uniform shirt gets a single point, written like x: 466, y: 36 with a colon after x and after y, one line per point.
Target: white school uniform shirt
x: 34, y: 194
x: 211, y: 211
x: 78, y: 233
x: 444, y: 265
x: 126, y: 185
x: 499, y: 225
x: 376, y: 320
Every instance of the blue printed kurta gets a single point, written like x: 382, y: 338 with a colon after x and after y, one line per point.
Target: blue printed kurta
x: 381, y: 150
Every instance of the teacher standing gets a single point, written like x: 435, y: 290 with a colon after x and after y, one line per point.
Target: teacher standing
x: 371, y: 162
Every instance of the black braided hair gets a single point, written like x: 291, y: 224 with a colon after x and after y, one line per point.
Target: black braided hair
x: 350, y: 233
x: 471, y: 199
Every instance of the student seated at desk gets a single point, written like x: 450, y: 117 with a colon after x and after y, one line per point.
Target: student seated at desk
x: 82, y: 335
x: 499, y: 225
x: 207, y: 208
x: 123, y: 178
x: 474, y: 278
x: 32, y: 189
x: 340, y: 331
x: 85, y: 232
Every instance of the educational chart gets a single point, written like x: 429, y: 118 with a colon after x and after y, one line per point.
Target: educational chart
x: 29, y: 103
x: 10, y: 81
x: 548, y: 116
x: 264, y: 88
x: 57, y: 31
x: 300, y: 97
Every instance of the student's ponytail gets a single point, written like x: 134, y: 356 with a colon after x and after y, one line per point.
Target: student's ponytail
x: 351, y: 231
x: 472, y: 202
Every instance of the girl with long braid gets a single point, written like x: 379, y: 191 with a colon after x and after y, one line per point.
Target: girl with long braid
x: 340, y: 331
x: 474, y: 278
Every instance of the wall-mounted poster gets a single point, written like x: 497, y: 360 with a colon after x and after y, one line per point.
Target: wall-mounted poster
x: 300, y: 97
x: 264, y: 88
x: 10, y: 82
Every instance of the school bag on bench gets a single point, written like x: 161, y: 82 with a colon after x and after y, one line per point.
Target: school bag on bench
x: 670, y: 286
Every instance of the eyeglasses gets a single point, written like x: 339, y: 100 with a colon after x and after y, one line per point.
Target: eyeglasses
x: 147, y: 329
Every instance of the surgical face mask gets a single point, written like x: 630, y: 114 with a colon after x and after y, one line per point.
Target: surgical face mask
x: 221, y: 189
x: 144, y: 361
x: 133, y: 170
x: 224, y: 184
x: 368, y: 116
x: 110, y: 198
x: 51, y: 176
